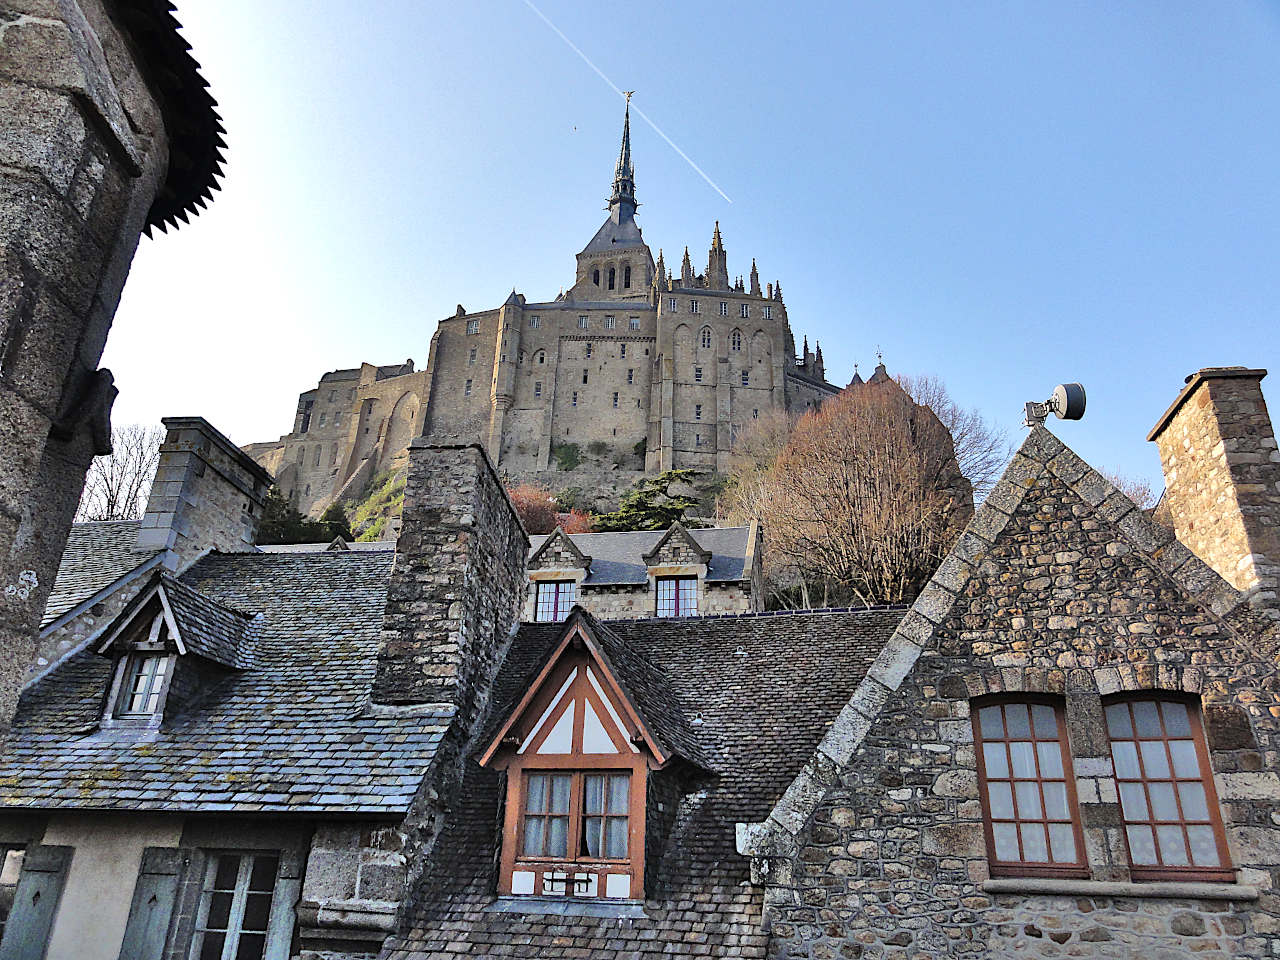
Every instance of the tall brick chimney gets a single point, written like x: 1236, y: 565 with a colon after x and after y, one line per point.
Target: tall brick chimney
x: 1222, y: 478
x: 207, y: 494
x: 457, y: 583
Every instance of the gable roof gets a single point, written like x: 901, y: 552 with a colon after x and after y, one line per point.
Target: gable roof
x: 201, y: 625
x: 97, y: 555
x: 677, y: 531
x: 289, y: 733
x: 1039, y: 454
x: 554, y: 537
x: 618, y: 558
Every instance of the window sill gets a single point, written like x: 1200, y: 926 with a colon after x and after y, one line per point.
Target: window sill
x: 569, y: 907
x: 1162, y: 889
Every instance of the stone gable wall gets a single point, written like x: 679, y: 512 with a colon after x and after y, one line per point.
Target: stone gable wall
x: 893, y: 862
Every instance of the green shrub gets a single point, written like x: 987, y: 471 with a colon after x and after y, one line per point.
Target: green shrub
x: 597, y: 448
x: 567, y: 455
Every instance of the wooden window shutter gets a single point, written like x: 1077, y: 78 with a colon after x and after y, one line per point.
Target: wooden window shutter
x: 284, y: 903
x: 35, y: 902
x: 154, y: 895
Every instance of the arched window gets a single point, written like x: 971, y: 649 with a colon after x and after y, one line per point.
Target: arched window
x: 612, y: 275
x: 626, y: 276
x: 706, y: 338
x: 595, y: 277
x: 539, y: 357
x: 735, y: 340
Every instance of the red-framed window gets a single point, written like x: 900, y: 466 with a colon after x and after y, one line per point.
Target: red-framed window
x: 1172, y: 820
x: 677, y: 596
x: 1031, y: 816
x: 555, y: 598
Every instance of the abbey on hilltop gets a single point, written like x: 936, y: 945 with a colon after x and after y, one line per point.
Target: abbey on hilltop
x: 661, y: 368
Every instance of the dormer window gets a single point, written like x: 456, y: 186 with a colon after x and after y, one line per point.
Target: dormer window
x: 141, y: 693
x: 555, y: 599
x: 677, y: 596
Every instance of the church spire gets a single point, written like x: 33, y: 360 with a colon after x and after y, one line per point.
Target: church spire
x: 622, y: 202
x: 755, y: 279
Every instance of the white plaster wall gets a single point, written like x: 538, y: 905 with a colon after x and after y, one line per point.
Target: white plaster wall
x: 99, y: 888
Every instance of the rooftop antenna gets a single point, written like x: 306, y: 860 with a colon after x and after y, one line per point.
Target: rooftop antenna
x: 1066, y: 403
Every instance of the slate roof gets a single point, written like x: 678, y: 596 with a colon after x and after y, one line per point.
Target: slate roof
x: 359, y: 546
x: 210, y: 629
x: 97, y: 555
x: 618, y: 558
x: 765, y: 689
x: 613, y: 235
x: 287, y: 734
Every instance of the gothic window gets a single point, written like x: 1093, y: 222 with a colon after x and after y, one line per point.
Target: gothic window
x: 537, y: 388
x: 554, y: 600
x: 705, y: 338
x: 539, y: 357
x: 622, y: 351
x: 744, y: 310
x: 322, y: 418
x: 626, y: 276
x: 333, y: 456
x: 1167, y: 799
x: 612, y: 276
x: 319, y: 454
x: 337, y: 418
x: 582, y: 323
x: 595, y: 277
x: 631, y: 375
x: 671, y: 304
x: 615, y: 398
x: 610, y: 322
x: 633, y: 323
x: 535, y: 321
x: 466, y: 389
x: 724, y: 308
x: 1028, y: 789
x: 471, y: 355
x: 473, y: 326
x: 520, y: 358
x: 697, y: 374
x: 677, y: 596
x: 697, y: 411
x: 768, y: 312
x: 735, y: 340
x: 695, y: 307
x: 746, y: 378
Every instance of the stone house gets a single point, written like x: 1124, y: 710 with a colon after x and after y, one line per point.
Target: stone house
x: 1067, y: 746
x: 646, y: 573
x: 632, y: 357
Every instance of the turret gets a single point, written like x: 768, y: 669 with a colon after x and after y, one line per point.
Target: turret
x: 755, y: 279
x: 717, y: 263
x: 622, y: 201
x: 660, y: 271
x: 819, y: 368
x: 686, y: 270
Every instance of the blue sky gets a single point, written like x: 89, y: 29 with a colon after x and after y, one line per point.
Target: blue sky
x: 1007, y: 195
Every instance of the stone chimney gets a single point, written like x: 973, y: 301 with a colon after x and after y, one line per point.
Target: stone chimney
x: 457, y: 584
x: 1222, y: 477
x: 207, y: 494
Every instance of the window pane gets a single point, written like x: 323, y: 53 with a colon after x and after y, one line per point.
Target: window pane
x: 533, y: 837
x: 257, y: 908
x: 557, y: 837
x: 1119, y: 725
x: 228, y: 868
x: 1142, y: 845
x: 592, y: 828
x: 1163, y: 804
x: 1173, y: 850
x: 1125, y: 755
x: 219, y: 911
x: 560, y: 793
x: 1185, y: 762
x: 1055, y: 801
x: 594, y: 793
x: 996, y: 759
x: 1028, y: 792
x: 1017, y: 719
x: 1062, y: 842
x: 1050, y: 753
x: 251, y: 946
x: 1006, y: 837
x: 619, y: 786
x: 1155, y: 762
x: 1046, y: 725
x: 1000, y: 798
x: 263, y: 876
x: 990, y: 726
x: 1194, y: 804
x: 1023, y: 758
x: 1177, y: 722
x: 1146, y: 717
x: 211, y: 946
x: 1133, y: 801
x: 1204, y: 847
x: 615, y: 847
x: 1035, y: 848
x: 536, y: 794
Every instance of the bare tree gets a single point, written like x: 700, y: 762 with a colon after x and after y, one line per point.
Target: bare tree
x: 981, y: 449
x: 860, y: 503
x: 1136, y: 489
x: 117, y: 485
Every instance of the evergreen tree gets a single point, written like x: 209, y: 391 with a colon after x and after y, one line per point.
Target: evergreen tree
x: 650, y: 505
x: 281, y: 523
x: 336, y: 523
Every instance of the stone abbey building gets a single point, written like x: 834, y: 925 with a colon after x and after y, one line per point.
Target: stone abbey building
x: 663, y: 368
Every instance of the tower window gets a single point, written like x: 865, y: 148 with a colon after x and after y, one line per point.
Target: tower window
x: 473, y: 326
x: 610, y: 322
x: 575, y: 401
x: 588, y: 351
x: 735, y: 340
x: 744, y: 310
x: 697, y: 411
x: 537, y: 388
x: 695, y: 307
x: 697, y: 374
x: 540, y: 357
x: 471, y: 356
x: 768, y: 312
x: 755, y: 414
x: 612, y: 276
x: 626, y: 276
x: 615, y: 399
x: 582, y: 323
x: 634, y: 323
x: 631, y: 375
x: 724, y: 308
x: 319, y: 454
x: 584, y: 376
x: 595, y: 277
x: 746, y: 378
x: 622, y: 352
x: 534, y: 322
x: 671, y: 304
x: 466, y: 389
x: 706, y: 338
